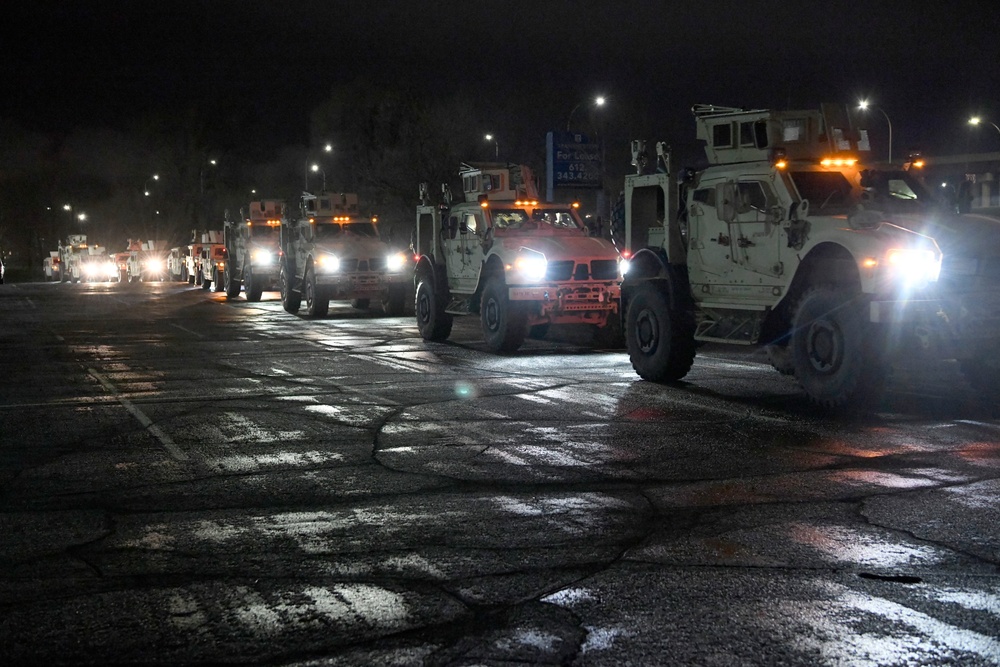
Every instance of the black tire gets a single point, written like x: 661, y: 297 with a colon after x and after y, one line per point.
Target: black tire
x: 394, y: 303
x: 316, y: 304
x: 217, y: 285
x: 539, y: 331
x: 360, y: 304
x: 433, y: 323
x: 232, y: 283
x: 291, y: 300
x: 505, y: 324
x: 252, y: 287
x: 660, y: 340
x: 835, y: 350
x: 780, y: 357
x: 184, y: 275
x: 982, y: 374
x: 610, y: 336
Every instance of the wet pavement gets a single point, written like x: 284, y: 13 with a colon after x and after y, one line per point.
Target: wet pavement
x: 188, y: 480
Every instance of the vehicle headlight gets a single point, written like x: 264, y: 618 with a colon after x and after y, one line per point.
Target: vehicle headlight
x: 623, y: 265
x: 110, y: 269
x: 913, y: 264
x: 531, y: 265
x: 263, y: 257
x: 154, y: 264
x: 327, y: 263
x: 396, y: 262
x: 89, y: 269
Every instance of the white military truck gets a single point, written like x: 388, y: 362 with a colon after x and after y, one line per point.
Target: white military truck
x: 206, y: 260
x: 518, y: 263
x: 71, y: 258
x: 331, y: 251
x: 177, y: 264
x: 50, y: 266
x: 96, y: 265
x: 146, y: 262
x: 785, y: 241
x: 252, y: 249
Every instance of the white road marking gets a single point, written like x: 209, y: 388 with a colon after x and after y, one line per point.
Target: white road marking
x: 147, y: 423
x: 186, y: 330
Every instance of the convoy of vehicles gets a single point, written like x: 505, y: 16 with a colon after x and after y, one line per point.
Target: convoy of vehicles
x: 252, y: 250
x: 792, y: 238
x: 331, y: 251
x: 789, y: 241
x: 518, y: 263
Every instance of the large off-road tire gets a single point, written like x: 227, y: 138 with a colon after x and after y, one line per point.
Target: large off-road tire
x: 432, y: 322
x: 394, y: 302
x: 232, y: 283
x: 290, y: 299
x: 185, y: 278
x: 780, y: 356
x: 217, y: 285
x: 316, y: 304
x: 983, y: 374
x: 836, y: 352
x: 360, y: 304
x: 505, y: 323
x: 660, y: 339
x: 252, y: 287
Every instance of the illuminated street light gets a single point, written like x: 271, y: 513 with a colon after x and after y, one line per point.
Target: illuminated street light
x: 864, y: 106
x: 328, y: 148
x: 976, y: 120
x: 145, y: 186
x: 496, y: 144
x: 316, y: 168
x: 597, y: 102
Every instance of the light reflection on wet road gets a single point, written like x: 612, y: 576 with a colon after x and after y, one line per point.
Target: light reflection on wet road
x: 349, y: 492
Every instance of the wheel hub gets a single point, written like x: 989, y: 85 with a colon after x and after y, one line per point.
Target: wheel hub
x: 825, y: 347
x: 424, y: 307
x: 646, y: 331
x: 492, y: 315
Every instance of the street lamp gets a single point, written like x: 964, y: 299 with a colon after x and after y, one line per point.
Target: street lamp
x: 597, y: 102
x: 496, y: 144
x: 316, y: 168
x: 976, y: 120
x: 864, y: 106
x: 145, y: 186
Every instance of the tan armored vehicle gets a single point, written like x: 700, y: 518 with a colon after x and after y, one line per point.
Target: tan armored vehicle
x: 786, y: 240
x: 518, y: 263
x: 252, y: 249
x: 331, y: 251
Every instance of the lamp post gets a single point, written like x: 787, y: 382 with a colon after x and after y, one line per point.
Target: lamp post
x: 976, y: 120
x: 864, y: 105
x: 316, y: 168
x: 496, y: 144
x: 597, y: 102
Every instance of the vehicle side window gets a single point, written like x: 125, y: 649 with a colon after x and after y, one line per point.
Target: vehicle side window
x: 704, y: 196
x: 470, y: 223
x: 754, y: 199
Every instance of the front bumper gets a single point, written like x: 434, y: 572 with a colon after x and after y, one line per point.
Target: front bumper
x: 560, y: 303
x: 358, y: 285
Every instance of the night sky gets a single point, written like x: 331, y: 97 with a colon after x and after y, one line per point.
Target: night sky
x: 268, y: 64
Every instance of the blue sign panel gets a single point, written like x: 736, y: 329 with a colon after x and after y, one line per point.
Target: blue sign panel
x: 573, y: 160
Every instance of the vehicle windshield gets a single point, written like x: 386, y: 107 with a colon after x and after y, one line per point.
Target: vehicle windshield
x: 329, y: 230
x: 264, y: 233
x: 896, y: 191
x: 514, y: 218
x: 827, y: 191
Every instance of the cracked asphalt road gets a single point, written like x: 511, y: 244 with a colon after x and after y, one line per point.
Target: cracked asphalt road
x: 188, y: 480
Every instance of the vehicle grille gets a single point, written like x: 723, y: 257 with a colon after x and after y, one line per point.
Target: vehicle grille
x: 559, y: 271
x: 355, y: 265
x: 604, y: 269
x: 599, y: 269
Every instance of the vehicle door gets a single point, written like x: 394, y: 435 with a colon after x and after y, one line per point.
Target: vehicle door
x: 463, y: 248
x: 711, y: 258
x: 756, y: 230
